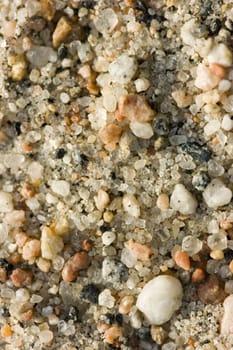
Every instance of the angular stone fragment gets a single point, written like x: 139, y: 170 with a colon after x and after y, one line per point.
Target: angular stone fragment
x: 217, y: 194
x: 160, y: 298
x: 135, y: 108
x: 183, y: 201
x: 51, y: 244
x: 61, y: 31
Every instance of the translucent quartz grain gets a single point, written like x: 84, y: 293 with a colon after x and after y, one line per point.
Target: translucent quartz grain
x: 191, y: 245
x: 217, y: 241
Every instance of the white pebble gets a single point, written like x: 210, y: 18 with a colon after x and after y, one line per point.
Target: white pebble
x: 106, y: 299
x: 217, y: 194
x: 106, y: 21
x: 65, y: 98
x: 212, y: 127
x: 51, y: 244
x: 141, y: 84
x: 122, y: 69
x: 182, y: 200
x: 22, y: 294
x: 227, y: 321
x: 160, y: 298
x: 46, y: 336
x: 205, y: 80
x: 220, y: 54
x: 224, y: 85
x: 108, y: 237
x: 35, y: 171
x: 131, y: 205
x: 6, y: 202
x: 141, y: 130
x: 60, y: 187
x: 227, y: 122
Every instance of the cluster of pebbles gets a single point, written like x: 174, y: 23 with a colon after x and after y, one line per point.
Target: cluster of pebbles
x: 116, y: 148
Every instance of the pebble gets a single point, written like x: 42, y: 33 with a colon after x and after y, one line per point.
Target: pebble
x: 221, y: 55
x: 126, y: 304
x: 45, y: 336
x: 51, y: 244
x: 106, y: 21
x: 106, y: 299
x: 141, y: 130
x: 182, y: 260
x: 122, y: 69
x: 210, y: 291
x: 63, y: 28
x: 227, y: 320
x: 182, y: 200
x: 138, y: 250
x: 102, y: 199
x: 227, y: 123
x: 217, y: 69
x: 131, y: 205
x: 110, y: 134
x: 205, y: 80
x: 135, y: 108
x: 141, y: 84
x: 217, y: 254
x: 108, y: 237
x: 191, y: 245
x: 79, y: 261
x: 112, y: 334
x: 160, y: 298
x: 217, y: 194
x: 158, y: 334
x: 21, y: 278
x: 60, y: 187
x: 6, y: 202
x: 18, y: 67
x: 217, y: 241
x: 163, y: 201
x: 198, y: 275
x: 31, y: 249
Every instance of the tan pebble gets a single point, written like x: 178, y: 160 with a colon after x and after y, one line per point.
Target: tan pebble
x: 21, y: 238
x: 198, y: 275
x: 225, y: 225
x: 110, y: 134
x: 211, y: 291
x: 217, y: 70
x: 18, y: 67
x: 8, y: 29
x: 61, y: 31
x: 86, y: 245
x: 112, y: 334
x: 27, y: 147
x: 27, y: 191
x: 15, y: 258
x: 48, y: 9
x: 135, y: 108
x: 231, y: 266
x: 126, y: 304
x: 68, y: 273
x: 140, y: 251
x: 217, y: 254
x: 27, y: 316
x: 163, y: 201
x: 102, y: 199
x: 158, y: 334
x: 61, y: 226
x: 43, y: 264
x: 6, y: 331
x: 31, y: 249
x: 102, y: 327
x: 51, y: 244
x: 182, y: 260
x: 108, y: 216
x: 21, y: 277
x: 3, y: 275
x: 181, y: 98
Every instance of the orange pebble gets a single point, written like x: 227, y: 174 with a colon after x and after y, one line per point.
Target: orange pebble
x: 6, y: 331
x: 182, y: 260
x: 140, y: 251
x: 27, y: 147
x: 217, y: 70
x: 198, y: 275
x: 112, y: 334
x: 231, y: 266
x: 86, y: 245
x: 226, y: 225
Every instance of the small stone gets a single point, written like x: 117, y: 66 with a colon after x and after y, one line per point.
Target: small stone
x: 131, y: 205
x: 48, y: 9
x: 102, y: 199
x: 205, y: 80
x: 106, y: 21
x: 46, y: 336
x: 31, y: 249
x: 43, y: 264
x: 211, y: 292
x: 18, y: 67
x: 21, y: 278
x: 64, y: 97
x: 191, y: 245
x: 217, y: 194
x: 217, y: 241
x: 108, y: 237
x: 90, y: 292
x: 106, y: 299
x: 110, y: 134
x: 183, y: 201
x: 126, y: 304
x: 61, y: 31
x: 51, y: 244
x: 163, y: 201
x: 112, y: 334
x: 227, y: 123
x: 158, y: 334
x: 79, y: 261
x: 135, y: 108
x: 141, y: 130
x: 217, y: 254
x: 122, y: 69
x: 39, y: 56
x: 140, y: 251
x: 6, y: 202
x: 220, y: 54
x: 198, y: 275
x: 141, y: 84
x: 227, y: 320
x: 200, y: 181
x: 182, y: 260
x: 217, y: 69
x: 60, y: 187
x: 160, y: 298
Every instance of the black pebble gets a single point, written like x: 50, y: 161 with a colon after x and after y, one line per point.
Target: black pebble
x: 161, y: 127
x: 17, y: 128
x: 201, y: 180
x: 199, y: 152
x: 214, y: 25
x: 5, y: 312
x: 60, y: 153
x: 62, y: 52
x: 119, y: 319
x: 4, y: 264
x: 90, y: 292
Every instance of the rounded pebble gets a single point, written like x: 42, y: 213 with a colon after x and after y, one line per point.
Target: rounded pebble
x: 182, y: 200
x: 217, y: 194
